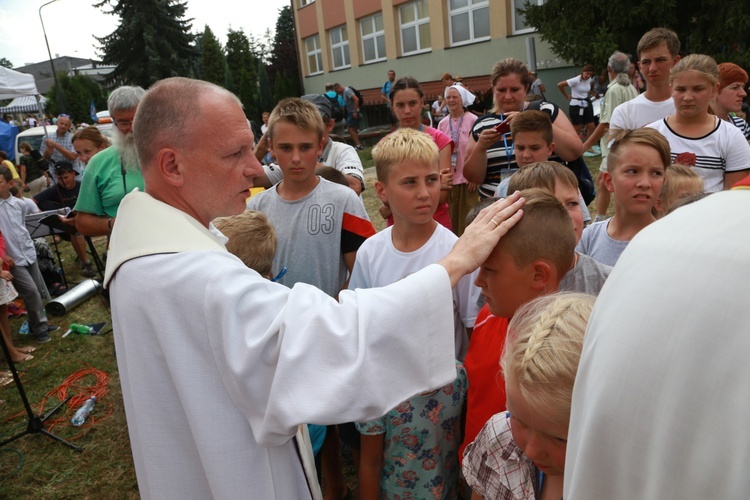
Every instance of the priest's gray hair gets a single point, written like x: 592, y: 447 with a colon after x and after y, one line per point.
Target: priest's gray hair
x: 124, y: 98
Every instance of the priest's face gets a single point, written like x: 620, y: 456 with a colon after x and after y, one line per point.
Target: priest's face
x: 220, y: 164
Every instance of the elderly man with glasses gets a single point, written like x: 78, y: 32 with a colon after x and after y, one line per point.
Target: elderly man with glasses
x: 113, y: 172
x: 58, y: 146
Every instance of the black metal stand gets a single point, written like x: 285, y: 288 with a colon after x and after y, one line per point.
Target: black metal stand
x: 36, y: 422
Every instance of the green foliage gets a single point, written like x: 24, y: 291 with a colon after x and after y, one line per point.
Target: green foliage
x: 719, y: 28
x: 6, y: 63
x: 266, y: 101
x: 152, y: 41
x: 284, y: 54
x: 241, y: 63
x: 213, y: 62
x: 79, y: 90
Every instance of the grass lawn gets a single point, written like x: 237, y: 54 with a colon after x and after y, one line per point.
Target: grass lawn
x: 35, y: 466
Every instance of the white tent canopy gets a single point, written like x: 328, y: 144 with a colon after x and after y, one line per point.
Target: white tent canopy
x: 25, y: 104
x: 14, y: 84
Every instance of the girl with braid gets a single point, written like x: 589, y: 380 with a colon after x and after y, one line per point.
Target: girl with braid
x: 520, y: 453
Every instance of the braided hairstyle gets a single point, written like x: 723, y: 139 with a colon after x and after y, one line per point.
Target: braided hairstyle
x: 542, y: 350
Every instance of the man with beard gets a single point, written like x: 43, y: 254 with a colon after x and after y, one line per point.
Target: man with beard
x: 59, y: 146
x: 112, y: 173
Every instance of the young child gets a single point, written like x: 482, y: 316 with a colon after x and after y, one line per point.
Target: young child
x: 532, y: 136
x: 585, y: 275
x: 320, y: 225
x: 637, y: 162
x: 680, y: 182
x: 21, y: 257
x: 252, y: 239
x: 529, y: 261
x: 7, y: 294
x: 715, y: 149
x: 520, y: 453
x: 412, y: 452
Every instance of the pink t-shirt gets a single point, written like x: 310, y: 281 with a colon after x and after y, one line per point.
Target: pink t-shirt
x: 458, y: 131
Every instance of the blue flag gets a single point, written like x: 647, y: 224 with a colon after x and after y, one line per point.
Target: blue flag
x: 93, y: 112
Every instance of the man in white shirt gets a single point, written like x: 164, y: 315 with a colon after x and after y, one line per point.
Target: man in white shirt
x: 658, y: 52
x: 219, y: 366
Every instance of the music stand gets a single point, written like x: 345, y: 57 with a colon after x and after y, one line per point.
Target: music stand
x: 38, y: 229
x: 36, y: 422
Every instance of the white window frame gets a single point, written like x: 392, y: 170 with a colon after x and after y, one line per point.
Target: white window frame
x: 414, y: 24
x: 374, y: 36
x: 342, y: 46
x: 302, y: 3
x: 470, y: 8
x: 521, y: 31
x: 316, y: 52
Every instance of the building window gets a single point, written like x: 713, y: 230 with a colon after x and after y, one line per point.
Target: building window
x: 519, y: 21
x: 415, y: 27
x: 340, y: 48
x: 314, y: 55
x: 469, y: 20
x: 373, y: 38
x: 302, y: 3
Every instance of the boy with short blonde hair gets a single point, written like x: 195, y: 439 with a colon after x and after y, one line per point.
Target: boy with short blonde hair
x: 252, y: 239
x: 320, y: 225
x: 586, y: 275
x: 637, y: 162
x: 529, y: 261
x: 407, y: 166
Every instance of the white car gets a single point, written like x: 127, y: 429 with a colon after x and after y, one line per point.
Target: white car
x: 34, y: 136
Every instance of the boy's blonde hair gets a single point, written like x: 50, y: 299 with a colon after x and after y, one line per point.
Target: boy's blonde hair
x: 405, y: 144
x: 658, y: 36
x: 298, y: 112
x: 544, y: 232
x: 532, y: 121
x: 252, y: 239
x: 542, y: 350
x: 700, y: 63
x: 645, y: 136
x: 678, y: 179
x: 543, y: 175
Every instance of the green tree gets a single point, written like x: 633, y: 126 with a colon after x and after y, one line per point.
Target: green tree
x: 79, y: 90
x: 6, y: 63
x: 152, y: 41
x: 719, y: 28
x: 266, y: 101
x: 213, y: 62
x: 284, y: 54
x: 242, y: 65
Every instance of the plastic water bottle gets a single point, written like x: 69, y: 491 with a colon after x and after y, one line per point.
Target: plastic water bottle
x: 80, y: 417
x: 78, y: 328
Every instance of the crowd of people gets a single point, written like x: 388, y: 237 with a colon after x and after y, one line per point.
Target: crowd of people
x: 492, y: 342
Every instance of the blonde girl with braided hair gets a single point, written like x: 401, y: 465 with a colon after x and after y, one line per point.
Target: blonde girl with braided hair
x: 520, y: 453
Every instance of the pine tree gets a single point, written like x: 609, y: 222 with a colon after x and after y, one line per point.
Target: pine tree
x: 266, y: 101
x: 213, y: 62
x: 79, y: 91
x: 152, y: 41
x: 284, y: 53
x: 241, y: 64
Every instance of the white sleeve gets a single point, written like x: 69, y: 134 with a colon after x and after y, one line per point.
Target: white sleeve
x: 467, y: 295
x: 348, y: 163
x: 617, y: 121
x: 736, y: 149
x: 273, y: 172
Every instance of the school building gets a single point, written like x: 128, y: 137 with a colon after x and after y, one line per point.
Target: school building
x: 356, y: 43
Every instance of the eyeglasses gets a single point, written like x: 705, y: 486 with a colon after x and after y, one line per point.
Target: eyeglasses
x: 123, y: 124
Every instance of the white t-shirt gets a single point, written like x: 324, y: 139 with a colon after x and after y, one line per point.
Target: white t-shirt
x: 379, y: 263
x: 725, y: 149
x: 579, y: 89
x: 639, y: 112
